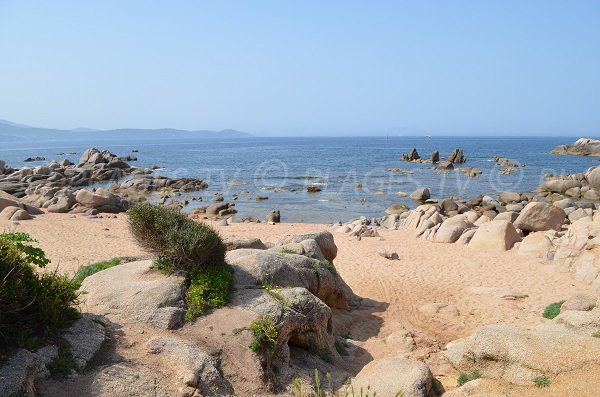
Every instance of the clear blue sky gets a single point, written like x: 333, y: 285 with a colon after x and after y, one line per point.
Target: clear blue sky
x: 304, y: 67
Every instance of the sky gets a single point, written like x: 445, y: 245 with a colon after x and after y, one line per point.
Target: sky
x: 304, y: 68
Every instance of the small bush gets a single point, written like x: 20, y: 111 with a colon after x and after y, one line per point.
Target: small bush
x: 541, y: 381
x: 464, y: 378
x: 265, y: 333
x: 341, y: 348
x: 178, y: 242
x: 552, y: 310
x: 596, y: 335
x: 63, y: 364
x: 92, y: 268
x: 209, y: 288
x: 33, y: 306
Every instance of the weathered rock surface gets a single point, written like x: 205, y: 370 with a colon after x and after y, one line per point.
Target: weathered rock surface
x: 496, y: 235
x: 324, y: 239
x: 581, y: 147
x: 85, y: 337
x: 421, y: 194
x: 502, y: 352
x: 254, y: 268
x: 134, y: 291
x: 538, y: 216
x: 389, y: 376
x: 192, y: 366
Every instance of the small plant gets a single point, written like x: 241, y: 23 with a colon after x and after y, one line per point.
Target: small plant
x: 323, y: 354
x: 317, y: 265
x: 31, y: 254
x: 541, y: 381
x: 265, y: 333
x: 179, y: 243
x: 464, y: 378
x: 346, y: 335
x: 209, y: 288
x: 63, y: 364
x: 319, y: 391
x: 552, y: 310
x: 341, y: 348
x: 596, y: 335
x: 92, y: 268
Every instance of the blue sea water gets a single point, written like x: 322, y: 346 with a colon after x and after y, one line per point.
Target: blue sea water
x: 282, y: 168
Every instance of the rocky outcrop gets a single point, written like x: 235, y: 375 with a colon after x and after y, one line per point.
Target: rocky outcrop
x: 581, y: 147
x: 135, y: 291
x: 538, y: 216
x: 502, y: 352
x: 192, y: 366
x: 412, y: 155
x: 324, y: 240
x: 421, y: 194
x: 496, y: 235
x: 391, y: 376
x: 255, y: 268
x: 457, y: 156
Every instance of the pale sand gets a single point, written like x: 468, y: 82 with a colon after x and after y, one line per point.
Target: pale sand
x: 426, y: 273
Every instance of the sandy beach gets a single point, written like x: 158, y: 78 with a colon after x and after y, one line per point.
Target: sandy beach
x: 474, y: 287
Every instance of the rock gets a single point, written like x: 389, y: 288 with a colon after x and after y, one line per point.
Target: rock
x: 123, y: 379
x: 449, y: 205
x: 580, y: 303
x: 457, y: 156
x: 191, y: 365
x: 302, y: 319
x: 313, y: 189
x: 581, y: 147
x: 559, y: 185
x: 274, y: 216
x: 254, y: 268
x: 510, y: 197
x: 19, y: 372
x: 253, y: 243
x: 8, y: 212
x: 564, y: 203
x: 502, y: 352
x: 538, y: 216
x: 575, y: 322
x: 593, y: 177
x: 396, y: 209
x: 435, y: 156
x: 411, y: 156
x: 537, y: 244
x: 507, y: 216
x: 260, y: 198
x: 8, y: 200
x: 421, y: 194
x: 390, y: 375
x: 2, y: 167
x: 591, y: 195
x: 445, y: 165
x: 495, y: 235
x: 96, y: 199
x: 451, y: 229
x: 324, y: 239
x: 466, y: 237
x: 389, y: 255
x: 578, y: 214
x: 218, y: 198
x: 135, y: 291
x: 216, y: 208
x: 85, y: 337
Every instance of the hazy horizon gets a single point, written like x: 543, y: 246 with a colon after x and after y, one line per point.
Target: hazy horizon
x: 501, y: 68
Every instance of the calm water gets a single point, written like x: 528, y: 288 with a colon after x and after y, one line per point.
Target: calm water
x: 261, y: 165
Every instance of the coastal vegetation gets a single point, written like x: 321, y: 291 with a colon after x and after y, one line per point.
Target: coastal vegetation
x: 552, y: 310
x: 92, y: 268
x: 34, y: 305
x: 179, y: 243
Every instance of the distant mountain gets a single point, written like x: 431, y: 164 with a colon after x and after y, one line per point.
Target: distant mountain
x: 10, y: 131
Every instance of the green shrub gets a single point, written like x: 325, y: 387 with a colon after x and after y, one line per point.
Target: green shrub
x: 32, y: 306
x: 265, y: 333
x: 178, y: 242
x: 541, y: 381
x: 92, y: 268
x: 209, y: 288
x: 596, y: 335
x: 341, y: 348
x: 63, y: 364
x: 464, y: 378
x: 552, y: 310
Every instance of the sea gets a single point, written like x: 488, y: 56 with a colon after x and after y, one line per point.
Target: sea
x: 351, y: 171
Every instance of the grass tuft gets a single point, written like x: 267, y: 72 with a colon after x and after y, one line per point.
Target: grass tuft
x: 464, y: 378
x: 92, y: 268
x: 541, y: 381
x: 265, y: 333
x: 552, y: 310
